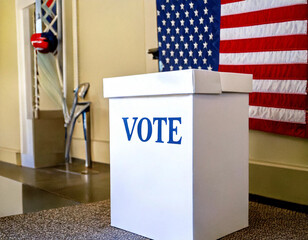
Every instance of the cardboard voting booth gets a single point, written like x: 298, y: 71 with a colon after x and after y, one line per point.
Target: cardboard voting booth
x: 179, y: 153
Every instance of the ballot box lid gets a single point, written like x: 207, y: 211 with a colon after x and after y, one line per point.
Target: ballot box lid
x: 191, y: 81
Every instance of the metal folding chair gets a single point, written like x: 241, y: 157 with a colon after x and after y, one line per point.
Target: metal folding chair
x: 79, y: 108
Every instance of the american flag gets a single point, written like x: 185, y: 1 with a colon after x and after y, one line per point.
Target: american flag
x: 50, y: 16
x: 267, y: 38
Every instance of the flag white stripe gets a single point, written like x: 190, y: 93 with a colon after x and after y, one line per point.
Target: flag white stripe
x: 256, y: 5
x: 278, y: 114
x: 280, y: 86
x: 278, y: 57
x: 264, y: 30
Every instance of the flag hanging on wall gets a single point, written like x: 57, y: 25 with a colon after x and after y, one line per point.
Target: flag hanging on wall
x: 50, y: 16
x: 267, y: 38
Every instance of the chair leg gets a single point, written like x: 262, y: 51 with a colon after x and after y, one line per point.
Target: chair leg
x: 87, y: 136
x: 68, y: 139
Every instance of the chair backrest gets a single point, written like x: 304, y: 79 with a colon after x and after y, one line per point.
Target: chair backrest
x: 80, y: 93
x: 82, y: 90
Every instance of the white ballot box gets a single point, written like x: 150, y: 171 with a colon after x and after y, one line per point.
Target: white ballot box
x: 179, y: 153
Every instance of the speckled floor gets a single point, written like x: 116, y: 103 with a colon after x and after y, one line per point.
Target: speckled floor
x: 92, y: 221
x: 84, y: 221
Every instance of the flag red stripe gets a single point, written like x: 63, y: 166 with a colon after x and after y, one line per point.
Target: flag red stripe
x: 49, y: 3
x: 273, y: 71
x: 278, y: 100
x: 229, y: 1
x: 291, y: 129
x: 277, y: 43
x: 307, y: 119
x: 270, y: 71
x: 275, y: 15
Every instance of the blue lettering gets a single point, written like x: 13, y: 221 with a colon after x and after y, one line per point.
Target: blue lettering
x: 129, y: 134
x: 172, y: 130
x: 149, y: 129
x: 159, y: 122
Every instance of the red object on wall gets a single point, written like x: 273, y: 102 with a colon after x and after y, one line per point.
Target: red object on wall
x: 40, y: 43
x: 44, y: 42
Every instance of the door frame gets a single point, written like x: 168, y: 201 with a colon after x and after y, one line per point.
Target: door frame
x: 25, y: 80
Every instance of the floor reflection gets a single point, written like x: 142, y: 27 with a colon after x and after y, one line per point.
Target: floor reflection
x: 18, y: 198
x: 24, y: 190
x: 10, y: 198
x: 36, y: 200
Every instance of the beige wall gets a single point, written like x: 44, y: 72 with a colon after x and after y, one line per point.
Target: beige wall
x: 111, y: 42
x: 278, y: 149
x: 68, y: 35
x: 9, y: 114
x: 278, y: 167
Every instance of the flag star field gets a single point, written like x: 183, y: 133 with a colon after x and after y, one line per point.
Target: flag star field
x: 188, y: 34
